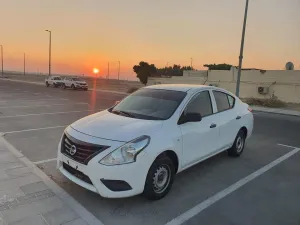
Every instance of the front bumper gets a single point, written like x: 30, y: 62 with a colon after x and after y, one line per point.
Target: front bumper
x: 81, y: 86
x: 109, y: 181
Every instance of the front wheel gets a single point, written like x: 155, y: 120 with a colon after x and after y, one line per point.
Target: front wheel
x: 47, y: 84
x: 73, y: 87
x: 238, y: 145
x: 64, y: 86
x: 159, y: 178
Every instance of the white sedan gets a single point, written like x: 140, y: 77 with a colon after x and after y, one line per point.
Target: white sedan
x: 138, y: 145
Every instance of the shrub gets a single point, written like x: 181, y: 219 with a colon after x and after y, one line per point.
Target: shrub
x: 132, y: 89
x: 272, y: 102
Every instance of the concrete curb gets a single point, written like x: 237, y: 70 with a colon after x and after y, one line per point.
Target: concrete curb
x: 42, y: 84
x: 60, y: 193
x: 276, y: 111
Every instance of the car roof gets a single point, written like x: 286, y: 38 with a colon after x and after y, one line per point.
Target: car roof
x: 177, y: 87
x: 187, y: 87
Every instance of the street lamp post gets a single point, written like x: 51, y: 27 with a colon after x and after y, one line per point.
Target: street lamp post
x: 108, y: 70
x: 242, y: 51
x: 49, y: 51
x: 1, y: 60
x: 119, y: 70
x: 24, y: 64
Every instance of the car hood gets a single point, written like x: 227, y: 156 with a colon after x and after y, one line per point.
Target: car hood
x: 110, y: 126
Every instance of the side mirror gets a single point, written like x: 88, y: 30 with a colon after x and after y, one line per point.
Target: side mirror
x: 189, y: 117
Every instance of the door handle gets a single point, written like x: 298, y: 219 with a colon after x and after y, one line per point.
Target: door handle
x: 238, y: 117
x: 213, y: 125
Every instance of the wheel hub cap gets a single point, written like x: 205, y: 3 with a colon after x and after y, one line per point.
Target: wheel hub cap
x: 239, y: 144
x: 161, y: 179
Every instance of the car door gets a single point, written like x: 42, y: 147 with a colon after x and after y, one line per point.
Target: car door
x: 50, y: 81
x: 226, y: 117
x: 67, y: 82
x: 199, y: 139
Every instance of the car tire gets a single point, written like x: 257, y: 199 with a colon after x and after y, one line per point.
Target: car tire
x: 159, y: 179
x: 73, y: 87
x: 85, y: 89
x: 64, y: 86
x: 47, y: 84
x: 239, y: 144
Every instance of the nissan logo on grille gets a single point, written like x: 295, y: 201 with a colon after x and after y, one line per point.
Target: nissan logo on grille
x: 73, y: 150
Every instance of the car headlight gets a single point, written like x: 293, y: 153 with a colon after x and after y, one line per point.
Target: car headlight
x: 126, y: 153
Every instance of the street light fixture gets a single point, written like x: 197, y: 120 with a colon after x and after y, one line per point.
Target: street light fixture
x: 1, y: 60
x: 237, y: 93
x: 49, y: 51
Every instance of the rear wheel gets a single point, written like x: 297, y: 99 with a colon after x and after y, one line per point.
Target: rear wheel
x: 85, y: 89
x: 238, y: 145
x: 159, y: 178
x: 47, y: 84
x: 73, y: 87
x: 64, y: 86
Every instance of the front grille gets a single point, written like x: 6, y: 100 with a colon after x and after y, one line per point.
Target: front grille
x: 77, y: 173
x: 80, y: 151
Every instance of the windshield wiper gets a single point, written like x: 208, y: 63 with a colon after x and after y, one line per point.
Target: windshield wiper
x: 120, y: 112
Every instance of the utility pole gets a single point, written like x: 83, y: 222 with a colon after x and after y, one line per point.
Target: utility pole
x: 1, y: 60
x: 49, y: 51
x: 237, y: 93
x: 191, y: 63
x: 119, y: 71
x: 24, y: 64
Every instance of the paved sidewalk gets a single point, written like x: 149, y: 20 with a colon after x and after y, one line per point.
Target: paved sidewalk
x: 30, y: 197
x: 276, y: 110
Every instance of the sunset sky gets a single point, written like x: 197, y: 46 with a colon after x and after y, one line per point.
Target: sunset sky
x: 91, y: 33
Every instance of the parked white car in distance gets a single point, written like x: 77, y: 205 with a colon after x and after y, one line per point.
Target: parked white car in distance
x: 55, y: 81
x: 138, y: 145
x: 75, y: 83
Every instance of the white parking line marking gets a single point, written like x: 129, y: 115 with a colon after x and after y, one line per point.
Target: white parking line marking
x: 222, y: 194
x: 43, y: 99
x: 288, y: 146
x: 35, y: 129
x: 48, y: 105
x: 45, y: 161
x: 41, y: 114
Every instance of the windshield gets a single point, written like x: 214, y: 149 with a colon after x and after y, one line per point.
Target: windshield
x: 56, y: 78
x: 77, y: 79
x: 151, y: 104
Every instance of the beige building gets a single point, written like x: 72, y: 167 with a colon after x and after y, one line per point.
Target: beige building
x: 254, y: 83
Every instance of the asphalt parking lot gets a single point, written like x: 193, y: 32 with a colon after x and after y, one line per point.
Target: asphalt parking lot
x: 260, y: 187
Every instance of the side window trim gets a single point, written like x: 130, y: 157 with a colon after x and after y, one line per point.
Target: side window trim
x: 227, y: 100
x: 213, y: 101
